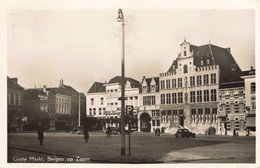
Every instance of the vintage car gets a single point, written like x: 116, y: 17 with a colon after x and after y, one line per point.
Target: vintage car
x: 183, y: 132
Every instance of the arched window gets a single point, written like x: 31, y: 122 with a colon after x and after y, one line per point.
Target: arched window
x: 185, y: 53
x: 185, y: 68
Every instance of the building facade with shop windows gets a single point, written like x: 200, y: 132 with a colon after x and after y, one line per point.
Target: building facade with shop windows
x: 250, y: 98
x: 189, y: 89
x: 103, y: 101
x: 149, y: 105
x: 231, y: 113
x: 14, y: 105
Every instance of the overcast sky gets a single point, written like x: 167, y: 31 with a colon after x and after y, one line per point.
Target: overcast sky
x: 84, y: 46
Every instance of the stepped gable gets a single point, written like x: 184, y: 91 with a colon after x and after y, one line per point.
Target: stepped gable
x: 229, y: 69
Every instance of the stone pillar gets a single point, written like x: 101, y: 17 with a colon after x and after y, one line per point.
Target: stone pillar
x: 139, y: 125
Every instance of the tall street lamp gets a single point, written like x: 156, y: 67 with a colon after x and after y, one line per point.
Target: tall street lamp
x: 122, y: 98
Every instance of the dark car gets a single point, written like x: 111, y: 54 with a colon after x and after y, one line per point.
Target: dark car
x: 115, y: 130
x: 77, y: 130
x: 182, y: 132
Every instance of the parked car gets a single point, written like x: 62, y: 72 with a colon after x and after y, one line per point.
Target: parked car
x: 115, y: 130
x: 77, y: 130
x: 183, y: 132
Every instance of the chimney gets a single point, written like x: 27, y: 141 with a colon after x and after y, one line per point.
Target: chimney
x: 44, y: 88
x: 61, y: 82
x: 251, y: 68
x: 229, y: 50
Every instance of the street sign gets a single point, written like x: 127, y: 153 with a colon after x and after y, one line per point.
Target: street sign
x: 130, y: 110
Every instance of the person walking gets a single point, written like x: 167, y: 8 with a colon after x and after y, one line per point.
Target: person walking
x: 109, y: 131
x: 40, y: 133
x: 86, y: 135
x: 158, y: 132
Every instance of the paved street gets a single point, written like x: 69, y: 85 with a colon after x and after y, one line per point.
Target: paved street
x: 145, y: 148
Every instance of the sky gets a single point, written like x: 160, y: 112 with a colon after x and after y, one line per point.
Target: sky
x: 84, y: 46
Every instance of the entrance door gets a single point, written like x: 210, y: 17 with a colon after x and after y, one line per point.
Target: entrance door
x: 182, y: 121
x: 145, y: 121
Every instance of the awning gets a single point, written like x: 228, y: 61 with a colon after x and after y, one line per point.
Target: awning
x: 250, y: 122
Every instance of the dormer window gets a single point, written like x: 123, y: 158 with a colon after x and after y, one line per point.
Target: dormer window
x: 144, y: 89
x: 208, y: 61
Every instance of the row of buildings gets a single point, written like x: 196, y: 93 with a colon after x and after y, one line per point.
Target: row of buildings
x: 204, y: 89
x: 57, y: 108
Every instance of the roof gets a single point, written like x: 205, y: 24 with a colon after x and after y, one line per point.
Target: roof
x: 148, y: 82
x: 118, y: 79
x: 70, y: 88
x: 229, y: 69
x: 232, y: 85
x: 248, y: 72
x: 97, y: 87
x: 33, y: 93
x: 12, y: 83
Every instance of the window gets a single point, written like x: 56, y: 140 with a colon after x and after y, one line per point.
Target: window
x: 158, y: 122
x: 173, y: 83
x: 100, y: 111
x: 193, y: 111
x: 115, y: 90
x: 90, y: 111
x: 16, y: 99
x: 153, y: 88
x: 185, y: 69
x: 241, y: 107
x: 240, y: 93
x: 174, y: 98
x: 192, y: 96
x: 168, y: 98
x: 175, y: 112
x: 206, y: 79
x: 149, y: 100
x: 162, y: 84
x: 185, y: 53
x: 181, y: 112
x: 102, y: 100
x: 208, y: 61
x: 92, y: 101
x: 199, y: 80
x: 232, y: 108
x: 168, y: 84
x: 179, y: 82
x: 144, y: 89
x: 104, y: 111
x: 206, y: 95
x: 207, y: 111
x: 214, y: 111
x: 180, y: 97
x: 227, y: 108
x: 253, y: 104
x: 213, y: 78
x: 213, y: 95
x: 111, y: 90
x: 94, y: 111
x: 169, y: 112
x: 236, y: 108
x: 12, y: 98
x: 253, y: 87
x: 162, y: 98
x: 115, y: 103
x: 153, y: 122
x: 192, y: 81
x: 199, y: 96
x: 200, y: 111
x: 201, y: 62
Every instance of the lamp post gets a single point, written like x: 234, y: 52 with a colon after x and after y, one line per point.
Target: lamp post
x: 121, y: 19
